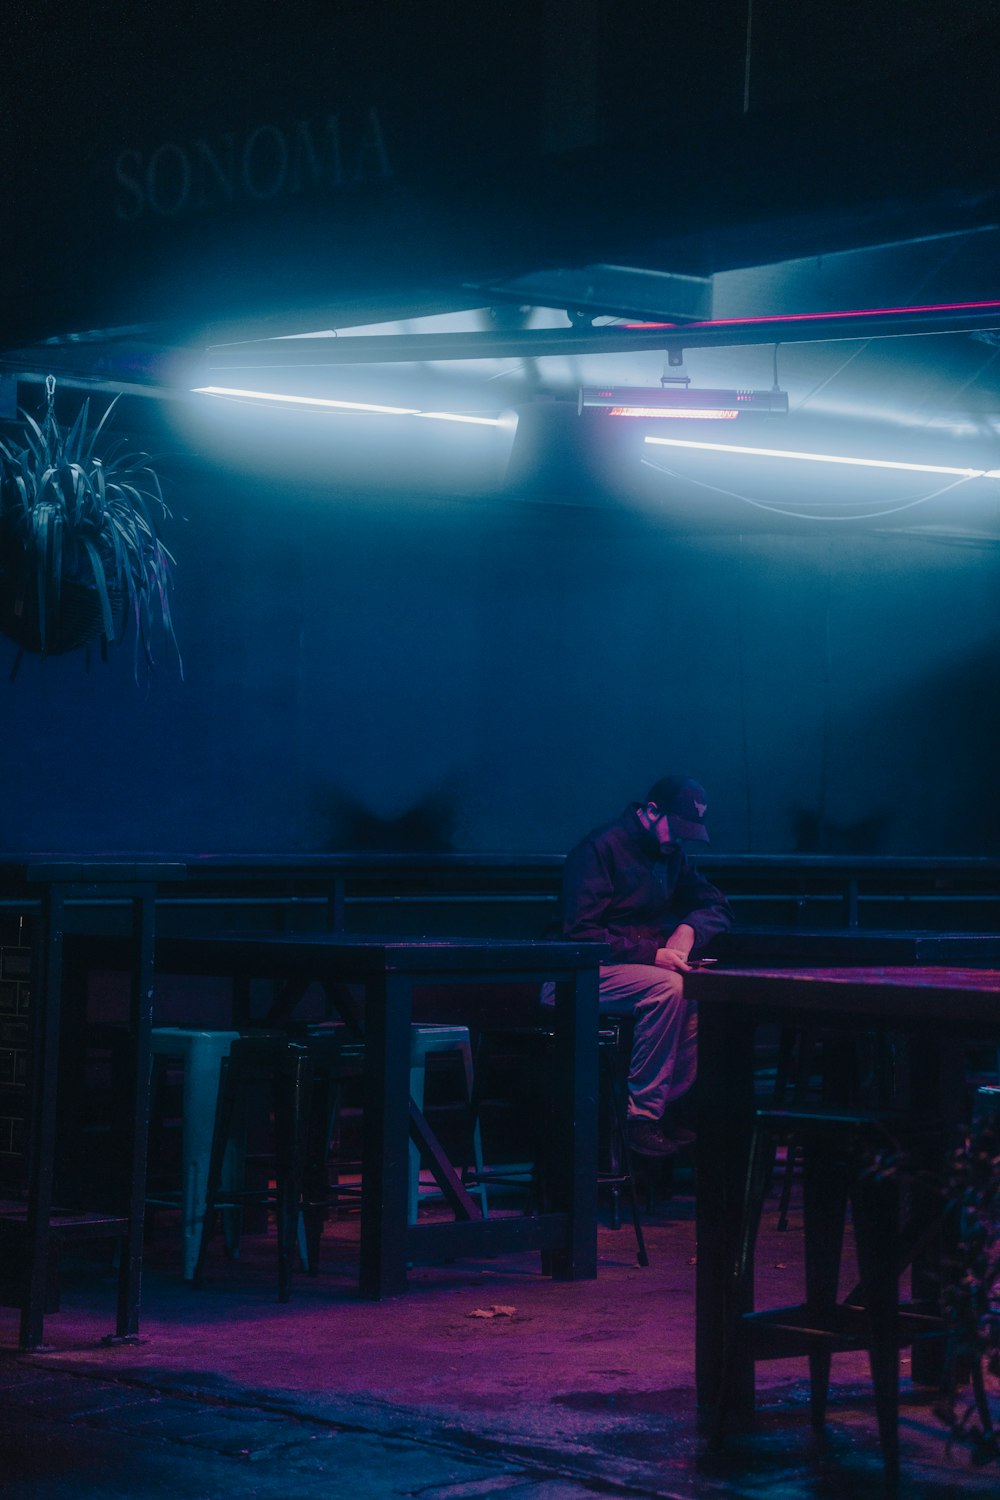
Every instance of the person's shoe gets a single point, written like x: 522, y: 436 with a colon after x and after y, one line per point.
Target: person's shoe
x: 678, y: 1135
x: 645, y: 1138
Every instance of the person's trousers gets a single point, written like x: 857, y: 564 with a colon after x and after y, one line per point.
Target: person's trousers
x: 664, y: 1048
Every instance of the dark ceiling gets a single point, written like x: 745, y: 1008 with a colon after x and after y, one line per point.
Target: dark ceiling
x: 505, y: 188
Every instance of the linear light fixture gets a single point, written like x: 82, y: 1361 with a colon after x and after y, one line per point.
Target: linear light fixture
x: 827, y: 458
x: 679, y: 401
x: 327, y: 402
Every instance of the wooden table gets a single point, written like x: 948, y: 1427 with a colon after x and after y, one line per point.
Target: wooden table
x: 934, y: 1006
x: 821, y: 947
x: 390, y: 968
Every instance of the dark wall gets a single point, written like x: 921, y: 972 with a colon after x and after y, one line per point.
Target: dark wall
x: 398, y: 668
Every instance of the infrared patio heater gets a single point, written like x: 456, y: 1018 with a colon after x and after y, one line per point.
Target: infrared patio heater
x: 676, y: 398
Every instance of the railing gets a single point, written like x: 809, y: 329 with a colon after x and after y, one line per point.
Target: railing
x: 518, y: 895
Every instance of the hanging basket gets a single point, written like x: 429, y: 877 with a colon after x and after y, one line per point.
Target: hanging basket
x: 79, y: 620
x: 79, y: 548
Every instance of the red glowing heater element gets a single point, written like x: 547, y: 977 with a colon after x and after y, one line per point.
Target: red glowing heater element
x: 701, y: 413
x: 679, y: 401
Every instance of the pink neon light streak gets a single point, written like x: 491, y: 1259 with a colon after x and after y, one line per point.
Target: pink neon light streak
x: 858, y: 312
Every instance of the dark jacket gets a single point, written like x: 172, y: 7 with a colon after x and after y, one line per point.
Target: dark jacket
x: 621, y: 888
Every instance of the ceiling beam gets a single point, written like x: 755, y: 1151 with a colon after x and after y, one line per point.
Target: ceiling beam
x: 539, y: 343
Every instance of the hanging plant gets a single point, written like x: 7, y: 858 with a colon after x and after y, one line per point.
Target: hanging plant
x: 80, y: 557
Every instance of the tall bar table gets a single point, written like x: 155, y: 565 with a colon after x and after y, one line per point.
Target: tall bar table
x: 390, y: 968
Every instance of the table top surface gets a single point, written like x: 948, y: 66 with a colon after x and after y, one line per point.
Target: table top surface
x: 788, y: 947
x: 872, y: 936
x: 911, y: 991
x: 920, y: 976
x: 382, y: 952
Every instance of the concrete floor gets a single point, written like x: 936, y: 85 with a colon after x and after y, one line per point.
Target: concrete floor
x: 571, y: 1390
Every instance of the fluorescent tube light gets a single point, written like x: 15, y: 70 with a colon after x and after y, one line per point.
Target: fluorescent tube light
x: 327, y: 402
x: 826, y: 458
x: 451, y: 416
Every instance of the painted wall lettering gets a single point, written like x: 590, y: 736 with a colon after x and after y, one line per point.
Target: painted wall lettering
x: 265, y: 163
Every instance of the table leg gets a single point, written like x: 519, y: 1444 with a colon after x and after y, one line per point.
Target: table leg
x: 46, y: 1004
x: 725, y: 1120
x: 385, y: 1151
x: 574, y: 1145
x: 141, y: 1022
x: 936, y: 1091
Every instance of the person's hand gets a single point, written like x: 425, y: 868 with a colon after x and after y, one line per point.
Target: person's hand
x: 672, y: 958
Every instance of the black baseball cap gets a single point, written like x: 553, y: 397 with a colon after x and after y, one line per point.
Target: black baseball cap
x: 685, y: 802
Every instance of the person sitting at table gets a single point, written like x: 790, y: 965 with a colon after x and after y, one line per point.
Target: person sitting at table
x: 630, y: 884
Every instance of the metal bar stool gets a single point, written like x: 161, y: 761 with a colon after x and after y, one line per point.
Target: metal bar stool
x: 840, y: 1151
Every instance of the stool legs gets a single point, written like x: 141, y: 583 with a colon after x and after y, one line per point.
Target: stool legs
x: 291, y: 1112
x: 758, y: 1176
x: 620, y: 1154
x: 201, y: 1083
x: 825, y: 1178
x: 316, y: 1189
x: 438, y: 1039
x: 286, y: 1069
x: 200, y: 1054
x: 221, y: 1134
x: 876, y: 1225
x: 835, y: 1172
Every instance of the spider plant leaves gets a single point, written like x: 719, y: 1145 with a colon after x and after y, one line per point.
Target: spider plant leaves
x: 101, y: 585
x: 69, y: 515
x: 37, y: 443
x: 88, y: 455
x: 70, y: 480
x: 45, y: 593
x: 72, y: 442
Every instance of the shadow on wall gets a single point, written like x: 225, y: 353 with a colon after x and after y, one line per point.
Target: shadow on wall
x: 928, y: 775
x: 426, y: 827
x: 948, y: 756
x: 816, y: 834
